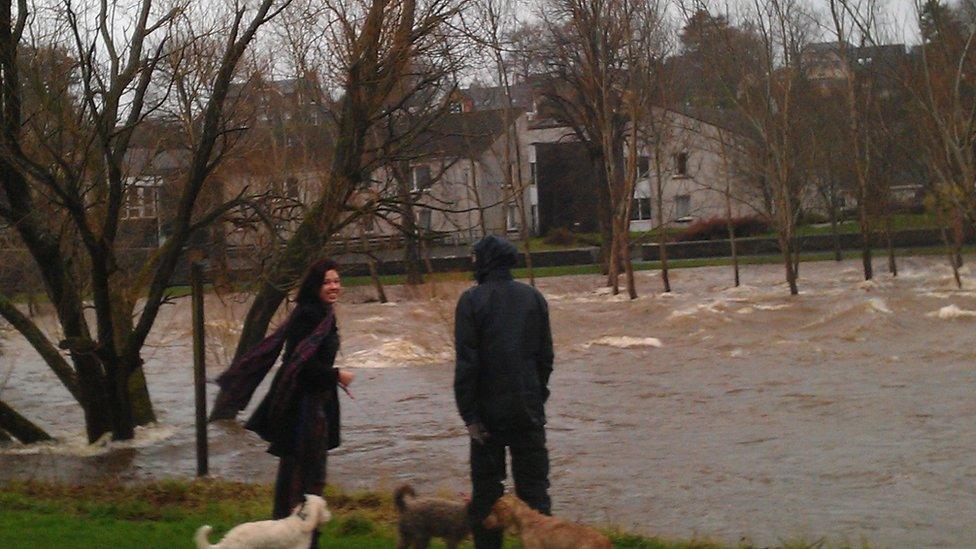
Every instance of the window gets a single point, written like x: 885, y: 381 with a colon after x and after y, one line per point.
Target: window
x: 369, y: 224
x: 455, y: 107
x: 512, y: 219
x: 533, y: 170
x: 682, y: 206
x: 141, y: 199
x: 420, y: 178
x: 535, y: 218
x: 681, y: 164
x: 423, y: 220
x: 643, y: 166
x: 640, y: 209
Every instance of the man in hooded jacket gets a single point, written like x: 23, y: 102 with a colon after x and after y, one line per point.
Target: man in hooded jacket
x: 504, y: 356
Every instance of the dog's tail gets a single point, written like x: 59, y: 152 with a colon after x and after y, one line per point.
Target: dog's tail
x: 400, y: 496
x: 201, y: 537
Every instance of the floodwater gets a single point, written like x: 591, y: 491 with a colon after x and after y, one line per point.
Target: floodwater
x: 847, y: 412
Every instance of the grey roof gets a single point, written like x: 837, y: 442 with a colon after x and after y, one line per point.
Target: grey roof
x: 494, y: 97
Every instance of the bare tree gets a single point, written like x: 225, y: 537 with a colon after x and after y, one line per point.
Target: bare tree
x: 595, y: 88
x: 771, y: 98
x: 942, y: 85
x: 70, y: 153
x: 375, y: 46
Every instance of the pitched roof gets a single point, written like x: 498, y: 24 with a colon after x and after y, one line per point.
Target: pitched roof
x: 464, y: 134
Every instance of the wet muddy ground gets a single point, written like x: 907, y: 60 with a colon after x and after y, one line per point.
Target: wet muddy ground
x: 847, y: 412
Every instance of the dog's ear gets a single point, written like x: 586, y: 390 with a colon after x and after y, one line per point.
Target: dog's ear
x: 315, y: 510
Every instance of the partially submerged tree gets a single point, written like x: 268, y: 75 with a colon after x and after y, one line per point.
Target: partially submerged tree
x: 65, y: 174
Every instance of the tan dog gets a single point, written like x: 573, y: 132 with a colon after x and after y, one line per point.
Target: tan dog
x: 538, y: 531
x: 292, y: 532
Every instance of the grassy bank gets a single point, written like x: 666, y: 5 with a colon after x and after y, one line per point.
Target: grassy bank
x: 166, y: 515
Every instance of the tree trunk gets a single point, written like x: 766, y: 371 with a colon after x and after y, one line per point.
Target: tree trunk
x: 20, y: 427
x: 866, y: 244
x: 613, y: 275
x: 892, y: 264
x: 735, y: 255
x: 425, y: 253
x: 787, y: 248
x: 95, y: 404
x: 731, y: 227
x: 834, y: 229
x: 629, y: 267
x: 123, y: 426
x: 959, y: 235
x: 142, y: 408
x: 374, y: 275
x: 411, y: 248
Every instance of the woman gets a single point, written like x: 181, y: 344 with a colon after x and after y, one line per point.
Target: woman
x: 299, y: 416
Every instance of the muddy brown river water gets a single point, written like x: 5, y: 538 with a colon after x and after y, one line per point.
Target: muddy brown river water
x: 847, y: 412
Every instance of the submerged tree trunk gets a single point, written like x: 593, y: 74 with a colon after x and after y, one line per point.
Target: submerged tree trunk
x: 731, y: 227
x: 892, y: 264
x: 866, y: 243
x: 788, y: 261
x: 629, y: 267
x: 950, y: 250
x: 613, y: 274
x: 662, y: 225
x: 374, y: 275
x: 20, y: 427
x: 371, y: 265
x: 142, y: 408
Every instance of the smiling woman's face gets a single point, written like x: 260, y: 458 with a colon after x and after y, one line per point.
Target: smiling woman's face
x: 331, y: 286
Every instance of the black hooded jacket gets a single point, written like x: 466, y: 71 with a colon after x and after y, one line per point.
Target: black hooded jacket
x: 503, y: 345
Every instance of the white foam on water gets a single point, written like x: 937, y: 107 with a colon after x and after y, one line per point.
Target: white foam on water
x: 772, y: 307
x: 718, y: 306
x: 738, y: 352
x: 746, y: 311
x: 394, y: 353
x: 950, y: 312
x: 77, y: 444
x: 626, y: 342
x: 372, y: 319
x: 879, y: 305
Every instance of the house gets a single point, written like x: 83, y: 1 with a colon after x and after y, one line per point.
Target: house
x: 461, y: 179
x: 695, y: 174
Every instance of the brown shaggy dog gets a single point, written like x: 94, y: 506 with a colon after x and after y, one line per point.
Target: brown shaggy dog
x: 425, y: 518
x: 538, y: 531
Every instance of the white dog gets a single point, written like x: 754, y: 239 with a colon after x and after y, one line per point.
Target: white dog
x: 291, y: 532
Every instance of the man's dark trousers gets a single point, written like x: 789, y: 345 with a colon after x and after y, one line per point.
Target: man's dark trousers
x: 530, y: 471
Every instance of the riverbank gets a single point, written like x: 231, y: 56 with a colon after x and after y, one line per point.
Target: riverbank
x: 166, y: 515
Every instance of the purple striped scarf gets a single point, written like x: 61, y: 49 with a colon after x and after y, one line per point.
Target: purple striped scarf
x: 241, y: 379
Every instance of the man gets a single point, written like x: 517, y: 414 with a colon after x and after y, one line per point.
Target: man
x: 504, y: 357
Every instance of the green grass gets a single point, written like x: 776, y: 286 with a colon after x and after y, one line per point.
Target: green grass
x: 899, y: 222
x: 166, y: 514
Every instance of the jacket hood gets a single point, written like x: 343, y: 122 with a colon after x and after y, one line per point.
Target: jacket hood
x: 493, y: 254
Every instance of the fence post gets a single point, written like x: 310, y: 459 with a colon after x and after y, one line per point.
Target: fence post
x: 199, y: 367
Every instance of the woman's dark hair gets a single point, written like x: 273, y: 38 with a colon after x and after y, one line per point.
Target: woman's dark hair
x: 308, y: 292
